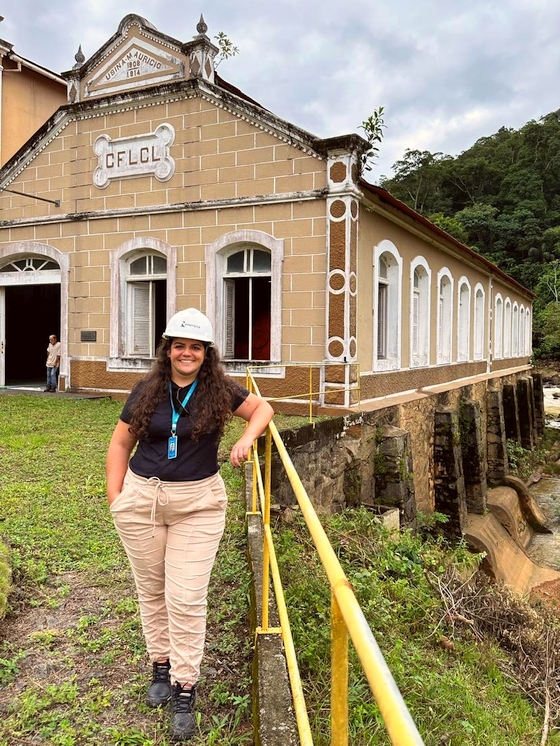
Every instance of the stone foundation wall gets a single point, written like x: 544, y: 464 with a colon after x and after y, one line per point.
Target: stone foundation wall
x: 440, y: 452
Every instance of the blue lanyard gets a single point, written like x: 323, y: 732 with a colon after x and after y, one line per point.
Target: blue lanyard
x: 175, y: 415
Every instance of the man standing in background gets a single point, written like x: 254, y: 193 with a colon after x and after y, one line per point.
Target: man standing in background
x: 53, y: 363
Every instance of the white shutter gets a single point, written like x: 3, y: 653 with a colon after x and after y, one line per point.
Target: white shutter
x: 441, y: 328
x: 415, y: 323
x: 382, y: 321
x: 229, y: 321
x: 139, y: 338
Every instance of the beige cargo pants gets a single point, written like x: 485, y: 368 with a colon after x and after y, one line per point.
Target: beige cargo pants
x: 171, y: 532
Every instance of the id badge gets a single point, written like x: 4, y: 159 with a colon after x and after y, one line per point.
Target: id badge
x: 172, y: 447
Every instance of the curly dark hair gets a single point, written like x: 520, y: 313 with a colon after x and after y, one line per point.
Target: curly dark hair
x: 214, y: 397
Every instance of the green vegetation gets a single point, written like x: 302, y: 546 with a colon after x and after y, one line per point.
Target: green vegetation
x: 502, y: 198
x: 5, y: 575
x: 460, y: 687
x: 373, y: 128
x: 73, y: 668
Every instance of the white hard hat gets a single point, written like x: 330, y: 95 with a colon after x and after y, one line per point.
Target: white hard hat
x: 190, y: 324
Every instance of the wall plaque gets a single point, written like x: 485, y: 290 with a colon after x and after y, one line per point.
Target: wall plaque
x: 141, y: 155
x: 87, y: 336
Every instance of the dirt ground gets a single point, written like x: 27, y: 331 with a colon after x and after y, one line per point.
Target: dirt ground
x: 78, y: 639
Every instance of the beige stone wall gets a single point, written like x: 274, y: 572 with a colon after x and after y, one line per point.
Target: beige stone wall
x: 218, y: 157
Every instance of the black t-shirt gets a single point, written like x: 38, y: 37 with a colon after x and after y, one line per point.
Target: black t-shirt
x: 196, y: 459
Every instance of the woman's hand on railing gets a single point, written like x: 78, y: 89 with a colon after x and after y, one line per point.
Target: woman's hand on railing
x: 240, y: 451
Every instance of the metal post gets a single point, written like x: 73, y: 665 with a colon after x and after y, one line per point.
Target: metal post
x: 339, y: 676
x: 266, y: 526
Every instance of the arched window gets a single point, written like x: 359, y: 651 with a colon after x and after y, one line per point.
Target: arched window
x: 145, y: 293
x: 31, y: 264
x: 479, y: 325
x: 419, y: 313
x: 507, y: 328
x: 244, y: 296
x: 522, y: 325
x: 445, y: 316
x: 463, y: 320
x: 515, y: 331
x: 247, y: 304
x: 528, y: 340
x: 382, y: 308
x: 387, y: 343
x: 499, y: 328
x: 143, y: 297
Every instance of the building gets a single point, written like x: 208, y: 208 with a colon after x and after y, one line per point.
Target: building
x: 29, y: 94
x: 160, y: 186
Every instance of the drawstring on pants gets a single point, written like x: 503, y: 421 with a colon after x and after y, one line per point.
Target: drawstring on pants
x: 160, y: 498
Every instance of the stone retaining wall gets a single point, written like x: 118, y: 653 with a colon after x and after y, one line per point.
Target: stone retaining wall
x: 439, y: 452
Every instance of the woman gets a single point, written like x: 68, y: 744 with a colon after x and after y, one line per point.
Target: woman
x: 168, y: 501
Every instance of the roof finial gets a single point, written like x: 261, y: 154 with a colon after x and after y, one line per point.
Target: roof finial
x: 79, y: 57
x: 201, y: 26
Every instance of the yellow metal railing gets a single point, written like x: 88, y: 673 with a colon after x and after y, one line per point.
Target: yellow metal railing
x: 317, y: 397
x: 347, y: 618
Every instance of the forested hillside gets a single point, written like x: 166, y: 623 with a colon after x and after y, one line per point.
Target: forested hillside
x: 502, y: 198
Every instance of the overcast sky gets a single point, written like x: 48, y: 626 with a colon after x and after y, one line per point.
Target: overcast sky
x: 446, y: 71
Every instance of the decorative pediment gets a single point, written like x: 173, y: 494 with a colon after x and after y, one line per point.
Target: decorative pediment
x: 135, y: 62
x: 138, y: 55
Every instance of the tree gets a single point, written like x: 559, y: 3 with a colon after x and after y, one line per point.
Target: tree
x: 480, y: 224
x: 418, y: 181
x: 226, y: 47
x: 373, y: 128
x: 549, y: 331
x: 450, y: 225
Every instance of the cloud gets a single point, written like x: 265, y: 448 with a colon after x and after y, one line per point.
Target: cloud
x: 446, y: 73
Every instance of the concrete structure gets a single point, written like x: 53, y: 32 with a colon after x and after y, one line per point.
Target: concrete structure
x: 167, y: 187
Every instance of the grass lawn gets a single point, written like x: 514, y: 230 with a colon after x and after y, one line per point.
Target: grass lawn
x: 73, y: 668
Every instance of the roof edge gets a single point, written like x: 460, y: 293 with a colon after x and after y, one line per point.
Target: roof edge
x: 384, y: 196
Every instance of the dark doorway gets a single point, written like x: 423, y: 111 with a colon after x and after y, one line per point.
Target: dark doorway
x: 32, y: 315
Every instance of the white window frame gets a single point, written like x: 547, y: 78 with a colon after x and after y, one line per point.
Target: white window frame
x: 507, y: 328
x: 420, y: 301
x: 120, y: 357
x: 391, y: 288
x: 479, y: 340
x: 498, y: 327
x: 228, y: 322
x: 463, y: 319
x: 528, y: 332
x: 445, y: 285
x: 521, y: 335
x: 515, y: 331
x: 216, y: 254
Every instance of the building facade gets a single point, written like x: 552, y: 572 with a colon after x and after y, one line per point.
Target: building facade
x: 162, y: 186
